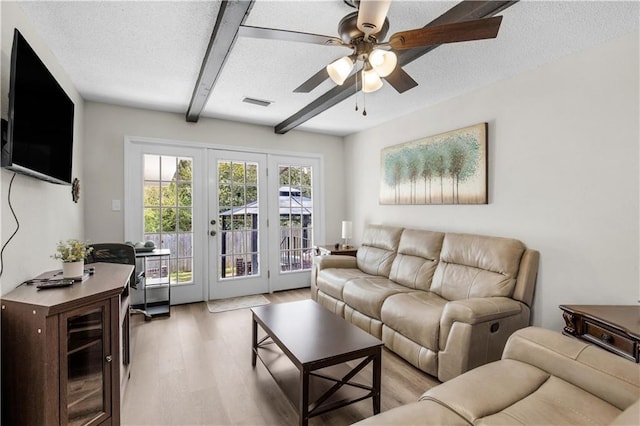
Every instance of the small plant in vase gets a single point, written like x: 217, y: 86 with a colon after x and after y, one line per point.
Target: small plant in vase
x: 72, y: 253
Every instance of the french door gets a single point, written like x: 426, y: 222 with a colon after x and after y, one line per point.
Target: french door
x: 238, y: 251
x: 262, y: 224
x: 236, y: 222
x: 165, y: 203
x: 293, y: 220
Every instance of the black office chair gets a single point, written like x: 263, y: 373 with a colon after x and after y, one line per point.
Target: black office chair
x: 115, y: 253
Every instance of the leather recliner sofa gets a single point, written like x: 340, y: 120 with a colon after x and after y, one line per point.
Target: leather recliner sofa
x: 445, y: 302
x: 543, y: 378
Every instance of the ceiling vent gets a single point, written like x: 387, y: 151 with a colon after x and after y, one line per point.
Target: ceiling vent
x: 257, y: 101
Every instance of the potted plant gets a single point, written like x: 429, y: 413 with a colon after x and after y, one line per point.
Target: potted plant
x: 72, y: 253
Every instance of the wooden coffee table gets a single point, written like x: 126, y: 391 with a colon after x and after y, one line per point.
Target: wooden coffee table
x: 313, y: 339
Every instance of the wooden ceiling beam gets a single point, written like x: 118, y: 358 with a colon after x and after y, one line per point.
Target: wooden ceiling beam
x: 231, y: 15
x: 463, y: 11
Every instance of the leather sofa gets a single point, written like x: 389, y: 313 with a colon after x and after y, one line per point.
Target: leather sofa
x: 445, y: 302
x: 542, y: 378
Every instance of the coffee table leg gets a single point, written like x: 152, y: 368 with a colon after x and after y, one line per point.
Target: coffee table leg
x: 254, y: 342
x: 304, y: 397
x: 377, y: 380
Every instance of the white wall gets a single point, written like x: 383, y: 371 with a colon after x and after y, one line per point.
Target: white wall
x: 107, y: 125
x: 563, y: 173
x: 45, y: 211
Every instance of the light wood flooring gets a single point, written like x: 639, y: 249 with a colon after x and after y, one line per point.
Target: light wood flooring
x: 195, y: 368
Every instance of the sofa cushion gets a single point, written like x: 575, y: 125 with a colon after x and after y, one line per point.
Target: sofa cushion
x: 556, y: 402
x: 415, y: 315
x: 366, y: 295
x: 332, y: 280
x: 378, y: 249
x: 417, y: 258
x: 417, y: 413
x: 477, y: 266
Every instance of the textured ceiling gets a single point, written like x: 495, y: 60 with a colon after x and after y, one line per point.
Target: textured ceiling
x: 148, y: 54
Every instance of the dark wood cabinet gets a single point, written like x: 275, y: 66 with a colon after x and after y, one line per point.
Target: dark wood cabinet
x: 61, y: 351
x: 615, y: 328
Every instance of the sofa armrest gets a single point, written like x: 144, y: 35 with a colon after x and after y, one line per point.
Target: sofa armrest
x: 476, y: 311
x: 335, y: 261
x: 326, y: 262
x: 473, y: 332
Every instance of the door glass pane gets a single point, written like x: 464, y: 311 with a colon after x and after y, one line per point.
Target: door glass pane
x: 168, y: 211
x: 238, y: 214
x: 295, y: 201
x: 85, y: 359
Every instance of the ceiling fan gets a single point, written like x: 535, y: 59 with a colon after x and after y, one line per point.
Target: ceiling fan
x: 364, y: 31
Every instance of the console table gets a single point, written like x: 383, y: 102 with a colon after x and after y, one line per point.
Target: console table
x: 615, y: 328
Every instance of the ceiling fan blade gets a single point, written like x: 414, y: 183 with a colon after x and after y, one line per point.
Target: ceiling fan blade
x: 313, y: 82
x: 400, y: 80
x: 274, y: 34
x: 371, y: 15
x: 478, y: 29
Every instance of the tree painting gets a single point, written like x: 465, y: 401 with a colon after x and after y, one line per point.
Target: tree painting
x: 449, y: 168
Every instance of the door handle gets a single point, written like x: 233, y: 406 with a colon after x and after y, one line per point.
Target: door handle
x: 212, y: 233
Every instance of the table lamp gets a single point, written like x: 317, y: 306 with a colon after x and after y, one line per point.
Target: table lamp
x: 347, y: 232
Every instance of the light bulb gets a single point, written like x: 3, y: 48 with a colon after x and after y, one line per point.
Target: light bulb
x: 383, y: 62
x: 370, y: 81
x: 339, y: 70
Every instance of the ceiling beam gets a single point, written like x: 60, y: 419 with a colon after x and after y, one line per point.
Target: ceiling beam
x: 231, y: 15
x: 464, y: 11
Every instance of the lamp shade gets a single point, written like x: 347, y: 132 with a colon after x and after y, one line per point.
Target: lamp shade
x: 383, y: 62
x: 339, y: 70
x: 347, y: 229
x: 370, y: 81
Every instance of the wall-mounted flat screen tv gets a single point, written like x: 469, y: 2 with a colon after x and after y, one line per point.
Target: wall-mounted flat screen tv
x: 40, y: 129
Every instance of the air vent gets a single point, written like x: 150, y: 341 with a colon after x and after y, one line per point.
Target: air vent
x: 257, y: 101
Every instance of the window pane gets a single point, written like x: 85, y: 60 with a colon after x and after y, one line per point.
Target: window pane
x: 151, y: 220
x: 224, y: 172
x: 151, y: 167
x: 184, y: 170
x: 168, y: 220
x: 184, y: 194
x: 152, y: 194
x: 184, y: 220
x: 252, y: 173
x: 167, y: 168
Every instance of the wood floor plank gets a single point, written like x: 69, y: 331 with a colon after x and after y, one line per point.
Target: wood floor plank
x: 194, y: 368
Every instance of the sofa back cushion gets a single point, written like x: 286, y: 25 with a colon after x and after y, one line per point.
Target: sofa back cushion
x: 477, y: 266
x: 378, y: 249
x: 417, y: 258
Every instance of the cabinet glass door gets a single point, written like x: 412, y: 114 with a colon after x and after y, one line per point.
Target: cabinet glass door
x: 86, y: 400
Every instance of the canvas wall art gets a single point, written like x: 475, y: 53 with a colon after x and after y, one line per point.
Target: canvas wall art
x: 449, y: 168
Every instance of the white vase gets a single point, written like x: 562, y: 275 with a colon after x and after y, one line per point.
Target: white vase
x: 73, y: 270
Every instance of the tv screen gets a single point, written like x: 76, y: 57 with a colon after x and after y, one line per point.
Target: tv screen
x: 40, y: 129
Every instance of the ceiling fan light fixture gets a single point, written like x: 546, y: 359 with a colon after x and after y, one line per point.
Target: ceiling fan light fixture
x: 340, y: 69
x: 370, y: 81
x: 383, y: 62
x: 371, y: 16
